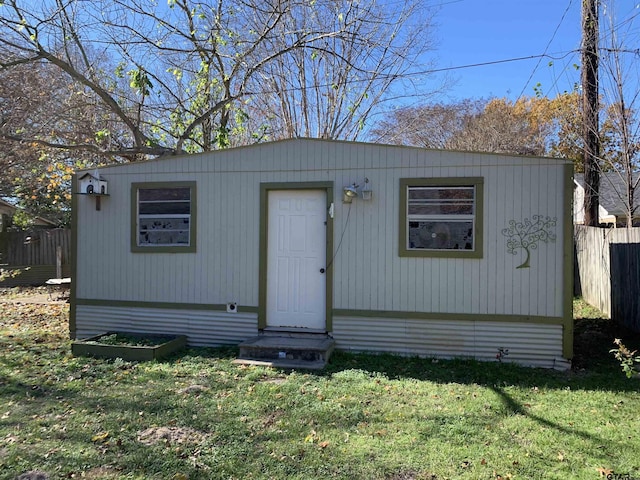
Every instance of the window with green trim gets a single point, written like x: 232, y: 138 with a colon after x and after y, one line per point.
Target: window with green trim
x: 164, y: 216
x: 441, y: 217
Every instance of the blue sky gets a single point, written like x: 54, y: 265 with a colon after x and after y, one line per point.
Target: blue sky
x: 480, y: 31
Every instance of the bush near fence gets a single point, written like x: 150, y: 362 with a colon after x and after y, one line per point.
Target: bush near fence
x: 608, y: 271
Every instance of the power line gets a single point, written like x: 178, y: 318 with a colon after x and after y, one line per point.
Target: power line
x: 557, y: 56
x: 546, y: 48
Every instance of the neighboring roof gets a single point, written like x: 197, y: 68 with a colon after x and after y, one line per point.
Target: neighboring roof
x: 613, y: 192
x: 9, y: 209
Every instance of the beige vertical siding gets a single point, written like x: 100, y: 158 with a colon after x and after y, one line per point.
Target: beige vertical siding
x: 368, y: 272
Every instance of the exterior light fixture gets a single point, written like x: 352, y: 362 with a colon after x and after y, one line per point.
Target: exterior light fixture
x: 367, y: 194
x: 349, y: 192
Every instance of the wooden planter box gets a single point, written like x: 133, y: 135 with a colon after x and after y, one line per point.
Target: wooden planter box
x: 164, y: 345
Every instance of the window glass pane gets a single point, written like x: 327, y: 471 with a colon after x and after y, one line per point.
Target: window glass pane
x: 164, y: 194
x: 164, y: 216
x: 441, y: 235
x: 441, y: 192
x: 150, y: 223
x: 441, y: 200
x: 160, y: 237
x: 162, y: 208
x: 442, y: 207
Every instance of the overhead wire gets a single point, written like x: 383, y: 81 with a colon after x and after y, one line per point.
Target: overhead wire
x: 556, y: 56
x: 555, y: 32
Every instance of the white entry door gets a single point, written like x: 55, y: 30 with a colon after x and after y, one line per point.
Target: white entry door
x: 296, y: 259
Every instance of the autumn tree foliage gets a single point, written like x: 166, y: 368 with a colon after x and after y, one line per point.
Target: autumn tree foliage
x: 527, y: 126
x: 37, y: 102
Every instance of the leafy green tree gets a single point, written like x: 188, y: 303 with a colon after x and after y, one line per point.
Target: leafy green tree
x: 188, y: 75
x: 85, y: 83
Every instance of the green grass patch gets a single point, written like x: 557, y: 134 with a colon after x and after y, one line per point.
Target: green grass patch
x: 198, y: 416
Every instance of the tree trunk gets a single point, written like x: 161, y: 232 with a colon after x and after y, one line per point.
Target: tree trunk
x: 525, y: 264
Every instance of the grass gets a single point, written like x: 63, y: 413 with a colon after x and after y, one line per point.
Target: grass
x: 198, y: 416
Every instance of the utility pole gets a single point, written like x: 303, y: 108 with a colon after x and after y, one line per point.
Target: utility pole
x: 590, y: 107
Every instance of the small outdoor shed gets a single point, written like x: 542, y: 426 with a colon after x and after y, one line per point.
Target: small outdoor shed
x: 384, y: 248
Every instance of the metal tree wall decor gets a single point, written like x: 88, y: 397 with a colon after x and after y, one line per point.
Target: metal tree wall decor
x: 525, y: 235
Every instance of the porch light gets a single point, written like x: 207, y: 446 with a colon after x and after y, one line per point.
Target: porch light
x: 367, y: 194
x: 349, y: 192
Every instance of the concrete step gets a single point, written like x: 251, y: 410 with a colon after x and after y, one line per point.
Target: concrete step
x: 309, y: 352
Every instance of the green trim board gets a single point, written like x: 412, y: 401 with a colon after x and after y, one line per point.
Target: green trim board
x: 477, y: 182
x: 567, y: 257
x: 390, y: 314
x: 191, y: 248
x: 215, y: 307
x: 262, y: 262
x: 473, y: 317
x: 336, y: 312
x: 74, y: 257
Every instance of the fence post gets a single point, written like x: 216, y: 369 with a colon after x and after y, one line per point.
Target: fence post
x: 59, y: 261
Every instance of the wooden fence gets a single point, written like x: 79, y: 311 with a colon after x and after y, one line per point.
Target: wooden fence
x: 35, y: 254
x: 37, y: 247
x: 608, y: 271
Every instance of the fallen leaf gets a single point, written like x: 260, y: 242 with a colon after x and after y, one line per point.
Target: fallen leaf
x: 604, y: 472
x: 324, y: 444
x: 483, y: 462
x: 100, y: 437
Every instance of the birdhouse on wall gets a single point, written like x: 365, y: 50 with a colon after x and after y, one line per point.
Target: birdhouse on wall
x: 92, y: 184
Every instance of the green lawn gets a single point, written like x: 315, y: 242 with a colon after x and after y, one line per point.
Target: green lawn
x: 198, y: 416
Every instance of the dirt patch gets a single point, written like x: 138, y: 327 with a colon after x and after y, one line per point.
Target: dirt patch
x: 274, y: 381
x: 411, y: 475
x: 170, y: 436
x: 194, y: 390
x: 33, y: 475
x: 272, y: 418
x: 33, y: 295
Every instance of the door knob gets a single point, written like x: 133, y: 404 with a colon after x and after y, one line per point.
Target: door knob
x: 322, y: 270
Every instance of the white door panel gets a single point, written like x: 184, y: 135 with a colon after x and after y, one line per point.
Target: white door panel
x: 296, y: 243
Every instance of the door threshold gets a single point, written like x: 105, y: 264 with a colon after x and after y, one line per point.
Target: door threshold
x: 283, y: 331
